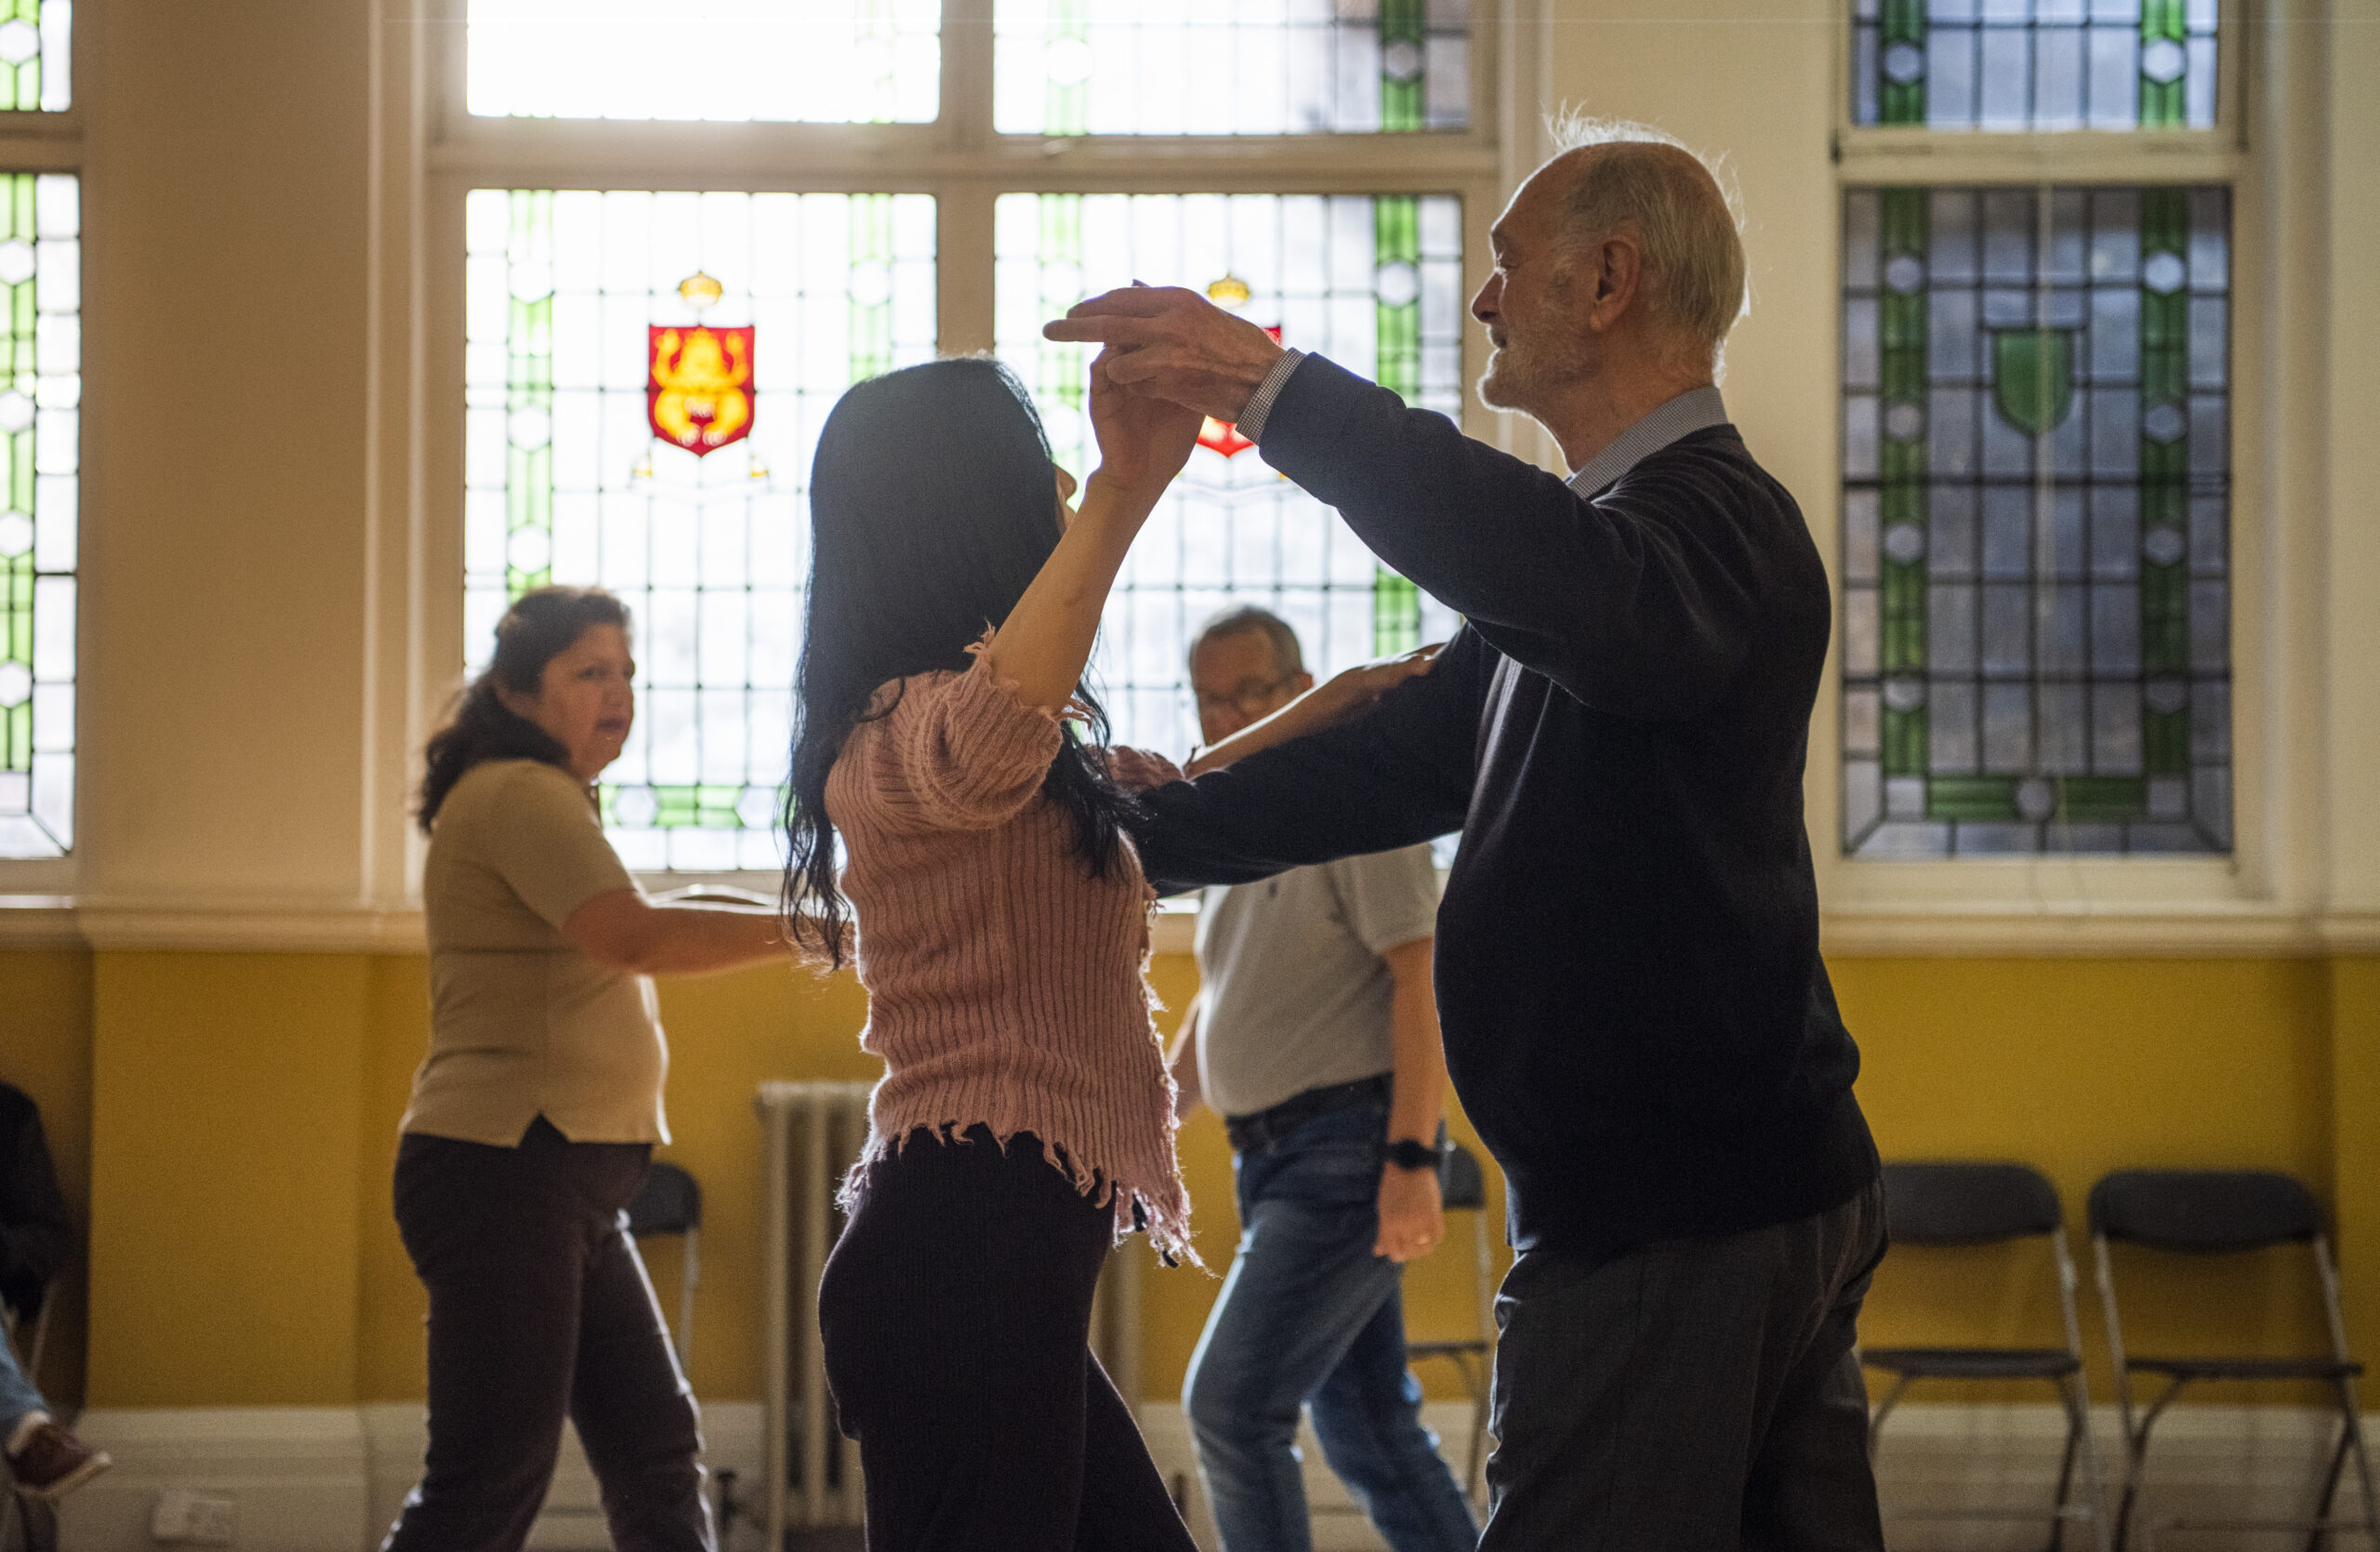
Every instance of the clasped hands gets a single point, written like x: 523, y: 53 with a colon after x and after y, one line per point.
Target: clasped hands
x: 1168, y: 343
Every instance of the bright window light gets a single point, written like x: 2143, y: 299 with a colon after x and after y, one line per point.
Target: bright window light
x: 831, y: 61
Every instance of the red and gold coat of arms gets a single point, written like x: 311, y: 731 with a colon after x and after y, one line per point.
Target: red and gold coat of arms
x: 699, y: 395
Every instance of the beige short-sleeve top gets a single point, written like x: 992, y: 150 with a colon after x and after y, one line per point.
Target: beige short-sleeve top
x: 520, y: 1022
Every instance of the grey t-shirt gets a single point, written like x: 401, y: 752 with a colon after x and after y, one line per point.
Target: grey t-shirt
x: 1296, y: 993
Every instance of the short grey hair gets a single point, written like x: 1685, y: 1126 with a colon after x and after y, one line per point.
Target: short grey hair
x: 1248, y: 620
x: 1690, y: 227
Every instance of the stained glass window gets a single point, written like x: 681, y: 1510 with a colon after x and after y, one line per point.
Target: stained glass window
x: 1243, y: 67
x: 35, y: 55
x: 1375, y: 282
x: 41, y: 390
x: 2036, y: 521
x: 579, y: 304
x: 835, y: 62
x: 2034, y: 64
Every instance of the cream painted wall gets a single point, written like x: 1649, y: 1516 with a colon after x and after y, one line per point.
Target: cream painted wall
x: 225, y: 585
x: 2351, y: 186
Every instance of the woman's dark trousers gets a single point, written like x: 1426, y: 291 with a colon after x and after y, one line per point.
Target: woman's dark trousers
x: 957, y: 1316
x: 539, y: 1308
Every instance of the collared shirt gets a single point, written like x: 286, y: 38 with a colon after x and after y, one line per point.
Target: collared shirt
x: 1693, y: 410
x: 1696, y: 410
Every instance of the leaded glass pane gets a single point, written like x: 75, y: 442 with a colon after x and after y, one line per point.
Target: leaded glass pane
x: 829, y: 61
x: 35, y: 55
x: 2034, y: 64
x: 587, y: 312
x: 41, y: 393
x: 2036, y: 505
x: 1242, y: 67
x: 1375, y: 282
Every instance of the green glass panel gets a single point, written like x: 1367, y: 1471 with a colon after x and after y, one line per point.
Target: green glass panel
x: 1904, y: 225
x: 2100, y: 800
x: 1397, y: 614
x: 1904, y: 24
x: 1396, y: 241
x: 2164, y: 619
x: 1904, y: 592
x: 1062, y: 365
x: 695, y: 806
x: 871, y: 320
x: 1976, y: 797
x: 2163, y: 103
x: 1905, y: 742
x: 1402, y: 22
x: 2033, y: 378
x: 2165, y: 742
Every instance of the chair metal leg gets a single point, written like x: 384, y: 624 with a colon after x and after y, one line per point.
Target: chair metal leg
x: 2136, y: 1487
x: 2077, y: 1424
x: 2093, y: 1483
x: 2319, y: 1535
x: 2351, y: 1447
x: 2362, y: 1457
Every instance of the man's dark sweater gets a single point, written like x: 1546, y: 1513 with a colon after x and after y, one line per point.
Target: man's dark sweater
x: 1637, y: 1017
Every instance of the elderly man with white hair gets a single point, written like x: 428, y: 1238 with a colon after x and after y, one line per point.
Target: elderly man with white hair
x: 1636, y: 1014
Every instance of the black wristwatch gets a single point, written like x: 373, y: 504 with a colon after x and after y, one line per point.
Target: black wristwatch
x: 1406, y: 1154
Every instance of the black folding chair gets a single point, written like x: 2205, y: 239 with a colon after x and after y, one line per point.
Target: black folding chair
x: 1961, y: 1203
x: 669, y: 1202
x: 1463, y: 1187
x: 2225, y: 1212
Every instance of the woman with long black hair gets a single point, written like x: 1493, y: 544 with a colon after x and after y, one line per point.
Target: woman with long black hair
x: 539, y: 1102
x: 1025, y: 1119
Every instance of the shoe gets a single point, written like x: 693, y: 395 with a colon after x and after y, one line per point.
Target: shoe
x: 54, y: 1462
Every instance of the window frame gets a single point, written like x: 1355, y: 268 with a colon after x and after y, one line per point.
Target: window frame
x: 37, y: 141
x: 958, y: 158
x: 1903, y: 905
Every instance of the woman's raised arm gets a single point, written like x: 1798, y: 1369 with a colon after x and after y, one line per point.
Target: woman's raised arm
x: 1044, y: 645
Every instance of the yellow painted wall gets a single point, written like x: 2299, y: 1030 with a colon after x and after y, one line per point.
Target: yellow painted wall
x: 2079, y: 1066
x: 237, y: 1156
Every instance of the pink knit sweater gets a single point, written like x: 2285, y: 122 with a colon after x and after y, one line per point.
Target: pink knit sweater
x: 1006, y: 984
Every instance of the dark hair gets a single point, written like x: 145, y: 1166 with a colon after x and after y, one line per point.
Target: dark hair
x: 932, y: 504
x: 541, y: 625
x: 1247, y: 620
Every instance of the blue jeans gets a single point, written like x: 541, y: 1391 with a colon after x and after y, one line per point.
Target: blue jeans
x: 1309, y: 1314
x: 18, y: 1396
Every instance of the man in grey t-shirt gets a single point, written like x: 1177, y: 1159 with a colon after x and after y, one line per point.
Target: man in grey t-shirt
x: 1315, y: 1037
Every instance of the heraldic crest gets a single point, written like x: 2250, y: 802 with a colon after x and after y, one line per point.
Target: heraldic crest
x: 698, y: 388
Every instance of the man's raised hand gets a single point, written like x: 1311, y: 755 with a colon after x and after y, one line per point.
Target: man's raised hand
x: 1167, y: 342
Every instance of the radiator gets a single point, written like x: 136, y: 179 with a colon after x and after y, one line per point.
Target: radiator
x: 813, y: 1133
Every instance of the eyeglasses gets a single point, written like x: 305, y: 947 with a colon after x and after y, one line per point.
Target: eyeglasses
x: 1248, y: 698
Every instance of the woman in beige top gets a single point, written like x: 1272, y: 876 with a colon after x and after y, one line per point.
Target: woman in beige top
x: 536, y: 1111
